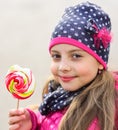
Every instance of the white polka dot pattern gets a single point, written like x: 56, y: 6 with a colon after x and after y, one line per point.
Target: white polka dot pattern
x: 83, y: 23
x: 57, y: 99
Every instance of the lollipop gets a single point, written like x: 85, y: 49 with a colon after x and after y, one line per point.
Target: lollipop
x: 20, y: 82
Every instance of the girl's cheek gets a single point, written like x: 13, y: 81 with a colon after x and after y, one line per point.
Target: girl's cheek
x: 53, y: 68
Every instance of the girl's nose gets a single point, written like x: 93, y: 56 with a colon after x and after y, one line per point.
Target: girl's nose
x: 64, y: 67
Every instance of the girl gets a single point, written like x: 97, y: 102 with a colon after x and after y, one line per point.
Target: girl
x: 82, y: 94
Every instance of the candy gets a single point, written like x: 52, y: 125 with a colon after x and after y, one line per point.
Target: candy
x: 20, y: 82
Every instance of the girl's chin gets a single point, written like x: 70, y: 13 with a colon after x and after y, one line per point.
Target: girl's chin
x: 67, y: 88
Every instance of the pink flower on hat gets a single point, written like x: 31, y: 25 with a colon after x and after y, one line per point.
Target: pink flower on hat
x: 104, y: 36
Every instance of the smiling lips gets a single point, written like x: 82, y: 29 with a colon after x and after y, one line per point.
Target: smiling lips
x: 66, y: 78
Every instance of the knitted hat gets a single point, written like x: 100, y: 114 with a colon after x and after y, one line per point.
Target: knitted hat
x: 85, y: 26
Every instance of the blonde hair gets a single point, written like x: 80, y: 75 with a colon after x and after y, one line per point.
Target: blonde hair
x: 96, y: 101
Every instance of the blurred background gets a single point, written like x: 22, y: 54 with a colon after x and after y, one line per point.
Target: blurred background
x: 25, y: 31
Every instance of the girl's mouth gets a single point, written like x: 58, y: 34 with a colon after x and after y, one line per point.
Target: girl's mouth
x: 67, y: 78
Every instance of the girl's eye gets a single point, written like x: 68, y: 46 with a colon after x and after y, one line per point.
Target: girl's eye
x: 56, y: 56
x: 76, y: 56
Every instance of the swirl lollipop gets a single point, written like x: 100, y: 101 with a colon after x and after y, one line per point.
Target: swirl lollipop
x: 20, y: 82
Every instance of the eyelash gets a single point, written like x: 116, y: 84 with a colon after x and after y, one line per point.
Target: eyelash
x: 55, y: 56
x: 76, y: 56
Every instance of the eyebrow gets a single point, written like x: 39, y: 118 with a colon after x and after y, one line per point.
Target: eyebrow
x: 70, y: 51
x: 54, y: 51
x: 76, y: 50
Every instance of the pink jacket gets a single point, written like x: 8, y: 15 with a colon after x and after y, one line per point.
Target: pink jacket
x: 51, y: 121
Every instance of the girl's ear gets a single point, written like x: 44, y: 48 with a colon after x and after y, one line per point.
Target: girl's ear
x: 100, y: 67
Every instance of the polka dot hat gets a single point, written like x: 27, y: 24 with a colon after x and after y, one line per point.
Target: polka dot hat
x: 85, y: 26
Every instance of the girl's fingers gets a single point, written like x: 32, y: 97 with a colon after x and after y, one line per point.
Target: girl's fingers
x: 16, y: 112
x: 16, y: 119
x: 14, y: 127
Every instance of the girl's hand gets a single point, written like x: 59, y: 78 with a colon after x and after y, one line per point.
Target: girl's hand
x: 19, y: 120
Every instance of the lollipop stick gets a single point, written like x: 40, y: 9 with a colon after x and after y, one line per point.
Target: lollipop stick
x: 17, y: 104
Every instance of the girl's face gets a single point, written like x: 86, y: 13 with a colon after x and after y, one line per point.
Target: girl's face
x: 72, y: 67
